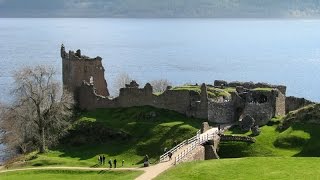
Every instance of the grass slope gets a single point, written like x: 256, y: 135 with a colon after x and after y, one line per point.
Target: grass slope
x: 296, y: 134
x: 149, y: 131
x: 69, y: 174
x: 246, y: 168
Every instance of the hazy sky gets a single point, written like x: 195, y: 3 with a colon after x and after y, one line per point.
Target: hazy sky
x: 160, y: 8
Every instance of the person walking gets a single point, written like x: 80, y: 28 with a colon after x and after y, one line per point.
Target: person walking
x: 122, y: 162
x: 103, y: 159
x: 146, y: 161
x: 110, y: 163
x: 99, y: 159
x: 170, y: 155
x: 115, y: 163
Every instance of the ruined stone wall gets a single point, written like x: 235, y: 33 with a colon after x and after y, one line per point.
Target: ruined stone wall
x: 173, y: 100
x: 261, y: 113
x: 263, y: 105
x: 294, y: 103
x: 201, y: 109
x: 178, y: 101
x: 89, y: 99
x: 77, y: 68
x: 221, y: 112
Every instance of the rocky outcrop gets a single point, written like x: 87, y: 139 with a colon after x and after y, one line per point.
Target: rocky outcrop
x: 247, y: 123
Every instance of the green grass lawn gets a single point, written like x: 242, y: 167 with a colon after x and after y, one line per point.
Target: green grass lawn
x: 247, y: 168
x: 69, y: 174
x: 148, y: 131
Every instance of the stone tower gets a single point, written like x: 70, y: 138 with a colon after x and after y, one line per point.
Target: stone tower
x: 77, y: 68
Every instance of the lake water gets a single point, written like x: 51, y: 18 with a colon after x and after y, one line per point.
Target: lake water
x: 181, y: 50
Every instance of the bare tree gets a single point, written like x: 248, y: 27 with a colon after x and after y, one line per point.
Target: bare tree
x: 160, y: 85
x: 121, y: 80
x: 40, y: 112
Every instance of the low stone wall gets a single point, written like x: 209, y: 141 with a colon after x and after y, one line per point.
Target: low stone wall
x: 294, y: 103
x: 237, y: 138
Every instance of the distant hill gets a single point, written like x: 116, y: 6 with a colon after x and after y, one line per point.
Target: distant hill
x: 161, y: 8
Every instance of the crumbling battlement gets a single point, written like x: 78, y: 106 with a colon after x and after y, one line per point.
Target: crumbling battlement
x: 77, y: 68
x: 184, y: 101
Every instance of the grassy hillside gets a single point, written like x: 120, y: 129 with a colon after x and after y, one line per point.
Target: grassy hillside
x: 69, y: 174
x: 123, y: 133
x: 246, y: 168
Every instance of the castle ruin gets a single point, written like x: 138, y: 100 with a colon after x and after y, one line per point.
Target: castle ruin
x: 77, y: 68
x: 85, y: 77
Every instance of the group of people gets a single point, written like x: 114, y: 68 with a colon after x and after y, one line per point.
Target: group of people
x: 102, y: 159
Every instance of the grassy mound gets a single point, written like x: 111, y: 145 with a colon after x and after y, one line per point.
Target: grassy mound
x: 307, y: 114
x: 69, y: 174
x: 296, y: 134
x: 212, y: 92
x: 247, y: 168
x: 123, y: 133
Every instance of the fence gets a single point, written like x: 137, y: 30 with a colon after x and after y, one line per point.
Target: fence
x: 195, y: 138
x: 194, y: 141
x: 201, y: 140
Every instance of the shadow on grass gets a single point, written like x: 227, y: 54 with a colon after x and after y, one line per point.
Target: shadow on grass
x: 45, y: 163
x: 311, y: 147
x: 143, y: 127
